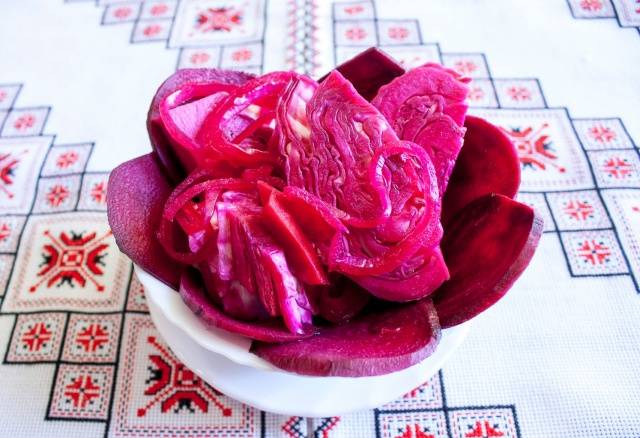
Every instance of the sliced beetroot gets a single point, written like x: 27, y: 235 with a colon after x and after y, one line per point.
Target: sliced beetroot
x: 427, y: 105
x: 377, y: 343
x: 488, y: 163
x: 272, y: 330
x: 486, y: 247
x: 368, y: 71
x: 300, y: 253
x: 160, y: 140
x: 316, y: 218
x: 136, y: 195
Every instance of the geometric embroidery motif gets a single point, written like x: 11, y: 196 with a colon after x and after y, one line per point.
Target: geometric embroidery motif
x: 173, y: 387
x: 419, y: 424
x: 619, y: 168
x: 203, y: 22
x: 10, y: 229
x: 594, y: 252
x: 624, y: 206
x: 20, y: 161
x: 91, y: 338
x: 68, y: 261
x: 578, y: 210
x: 482, y: 94
x: 93, y: 195
x: 25, y: 122
x: 483, y: 423
x: 81, y: 391
x: 472, y: 65
x: 36, y: 338
x: 602, y: 134
x: 66, y: 160
x: 57, y: 194
x: 519, y: 93
x: 550, y: 153
x: 157, y: 395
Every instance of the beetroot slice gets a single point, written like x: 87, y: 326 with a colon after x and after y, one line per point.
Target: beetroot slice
x: 368, y: 71
x: 486, y: 247
x: 136, y: 195
x: 157, y: 134
x: 196, y: 299
x: 488, y: 163
x: 373, y: 344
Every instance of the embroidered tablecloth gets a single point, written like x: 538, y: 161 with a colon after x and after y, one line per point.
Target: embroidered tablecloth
x: 558, y: 357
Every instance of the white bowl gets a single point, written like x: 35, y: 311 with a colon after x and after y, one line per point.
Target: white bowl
x: 223, y: 360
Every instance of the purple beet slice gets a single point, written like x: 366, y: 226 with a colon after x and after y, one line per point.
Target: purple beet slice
x: 196, y: 299
x: 368, y: 71
x: 486, y: 247
x: 373, y: 344
x: 488, y: 163
x: 136, y: 196
x: 160, y: 140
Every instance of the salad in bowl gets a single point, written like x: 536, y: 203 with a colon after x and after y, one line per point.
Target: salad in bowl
x: 340, y: 224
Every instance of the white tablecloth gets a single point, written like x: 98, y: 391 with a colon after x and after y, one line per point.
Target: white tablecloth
x: 558, y: 357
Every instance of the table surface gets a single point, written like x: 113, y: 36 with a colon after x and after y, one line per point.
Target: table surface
x: 558, y: 357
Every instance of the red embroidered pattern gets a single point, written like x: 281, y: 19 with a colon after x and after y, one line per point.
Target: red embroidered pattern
x: 326, y: 426
x: 72, y: 259
x: 81, y: 391
x: 534, y: 148
x: 218, y: 19
x: 591, y: 5
x: 199, y: 58
x: 158, y: 9
x: 99, y: 192
x: 241, y: 55
x: 67, y: 159
x: 602, y: 134
x: 92, y: 337
x: 122, y: 12
x: 173, y: 386
x: 465, y: 67
x: 414, y: 431
x: 24, y: 122
x: 8, y: 165
x: 355, y: 33
x: 476, y: 94
x: 57, y: 195
x: 292, y: 427
x: 5, y: 231
x: 398, y: 33
x: 483, y: 429
x: 596, y: 253
x: 519, y: 93
x: 152, y: 30
x: 37, y: 336
x: 617, y: 167
x: 352, y: 10
x: 579, y: 210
